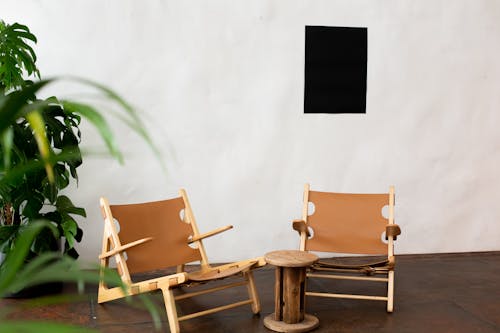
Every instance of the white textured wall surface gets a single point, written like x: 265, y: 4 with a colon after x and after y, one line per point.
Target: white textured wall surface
x: 220, y: 86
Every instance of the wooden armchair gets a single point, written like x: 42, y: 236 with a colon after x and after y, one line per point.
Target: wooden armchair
x: 352, y: 224
x: 157, y: 235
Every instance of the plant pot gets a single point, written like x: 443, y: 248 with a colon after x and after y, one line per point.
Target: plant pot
x: 38, y: 290
x: 43, y: 289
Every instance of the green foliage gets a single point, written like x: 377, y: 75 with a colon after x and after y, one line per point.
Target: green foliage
x: 39, y: 157
x: 16, y: 55
x: 39, y: 147
x: 31, y: 132
x: 42, y: 327
x: 15, y: 275
x: 27, y: 191
x: 35, y: 194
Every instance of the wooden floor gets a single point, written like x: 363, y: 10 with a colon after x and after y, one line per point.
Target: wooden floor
x: 433, y: 293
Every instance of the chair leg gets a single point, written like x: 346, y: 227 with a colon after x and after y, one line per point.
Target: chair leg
x: 168, y: 297
x: 390, y: 291
x: 252, y: 292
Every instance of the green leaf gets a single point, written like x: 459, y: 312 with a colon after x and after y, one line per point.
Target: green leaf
x: 41, y: 327
x: 47, y: 241
x: 34, y: 204
x: 79, y: 235
x: 16, y: 103
x: 26, y: 35
x: 18, y: 172
x: 6, y: 233
x: 99, y: 123
x: 53, y: 216
x: 15, y: 259
x: 70, y: 228
x: 49, y: 267
x: 7, y: 142
x: 61, y: 176
x: 24, y: 59
x: 65, y: 205
x: 27, y: 275
x: 38, y: 125
x: 134, y: 122
x: 16, y: 55
x: 49, y: 191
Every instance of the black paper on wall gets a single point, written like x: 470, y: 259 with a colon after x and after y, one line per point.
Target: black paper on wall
x: 335, y: 70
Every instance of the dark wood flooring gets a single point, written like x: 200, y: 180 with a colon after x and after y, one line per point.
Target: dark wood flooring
x: 433, y: 293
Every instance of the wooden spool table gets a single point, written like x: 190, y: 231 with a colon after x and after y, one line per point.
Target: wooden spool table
x: 289, y: 292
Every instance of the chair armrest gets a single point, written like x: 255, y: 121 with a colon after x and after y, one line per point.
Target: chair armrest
x: 209, y: 234
x: 124, y: 247
x: 300, y: 226
x: 392, y: 230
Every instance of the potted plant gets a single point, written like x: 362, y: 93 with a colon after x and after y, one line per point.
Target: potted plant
x: 37, y: 194
x: 39, y: 149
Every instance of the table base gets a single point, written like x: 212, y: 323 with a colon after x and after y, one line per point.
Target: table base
x: 309, y: 323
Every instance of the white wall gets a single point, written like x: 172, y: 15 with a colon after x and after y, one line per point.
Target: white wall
x: 220, y: 85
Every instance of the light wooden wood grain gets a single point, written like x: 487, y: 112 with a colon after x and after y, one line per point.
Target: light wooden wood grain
x: 293, y: 295
x: 309, y: 323
x: 289, y: 291
x: 210, y: 233
x: 290, y: 258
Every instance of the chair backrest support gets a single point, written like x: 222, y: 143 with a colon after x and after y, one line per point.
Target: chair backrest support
x: 161, y: 220
x: 111, y: 240
x: 347, y: 223
x: 189, y: 218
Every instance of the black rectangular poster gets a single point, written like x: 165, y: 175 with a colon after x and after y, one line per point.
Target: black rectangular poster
x: 335, y: 69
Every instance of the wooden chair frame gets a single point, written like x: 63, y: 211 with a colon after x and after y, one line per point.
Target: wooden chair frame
x: 363, y: 272
x: 112, y: 248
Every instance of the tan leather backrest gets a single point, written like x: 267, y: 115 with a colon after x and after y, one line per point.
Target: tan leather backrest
x: 162, y: 221
x: 347, y: 223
